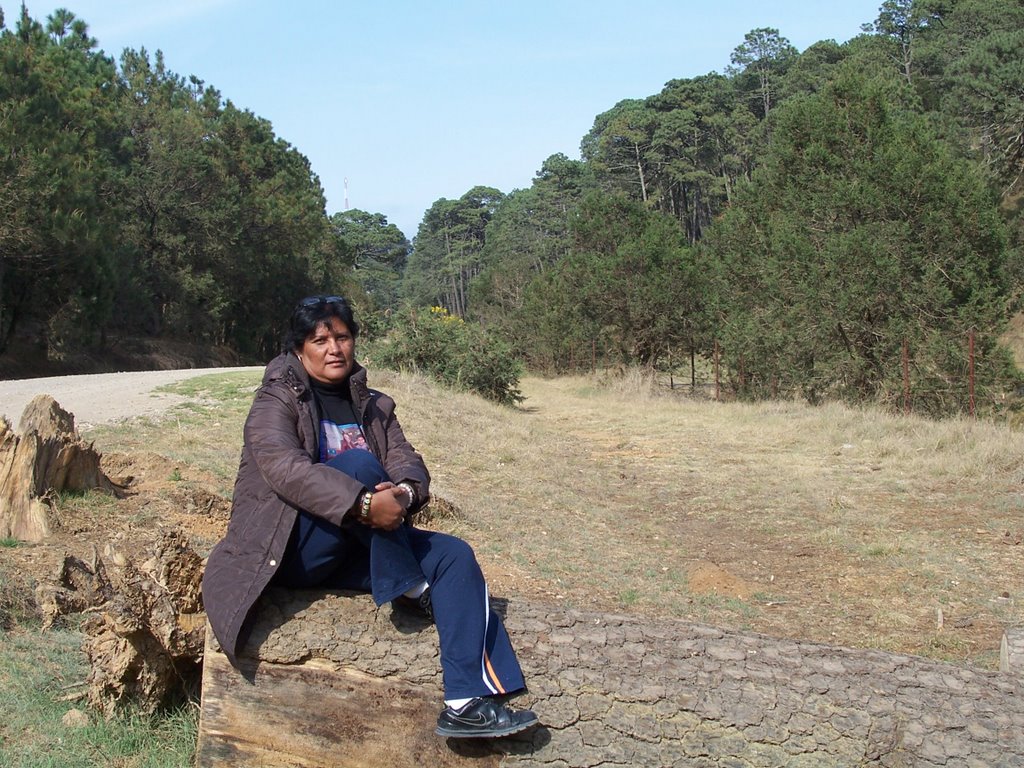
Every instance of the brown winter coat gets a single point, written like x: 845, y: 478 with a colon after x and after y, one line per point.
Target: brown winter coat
x: 279, y: 474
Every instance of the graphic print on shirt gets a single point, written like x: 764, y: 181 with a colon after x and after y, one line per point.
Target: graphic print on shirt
x: 338, y: 438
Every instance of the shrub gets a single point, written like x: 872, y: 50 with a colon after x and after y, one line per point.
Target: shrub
x: 457, y: 353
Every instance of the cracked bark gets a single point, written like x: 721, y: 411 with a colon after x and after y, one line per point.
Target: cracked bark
x: 610, y: 690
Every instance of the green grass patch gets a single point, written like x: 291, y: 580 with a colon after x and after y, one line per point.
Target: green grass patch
x: 882, y: 549
x: 220, y: 388
x: 710, y: 603
x: 629, y: 597
x: 37, y: 670
x: 17, y: 599
x: 92, y: 499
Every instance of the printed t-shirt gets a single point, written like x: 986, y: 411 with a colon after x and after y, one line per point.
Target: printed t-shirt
x: 339, y: 427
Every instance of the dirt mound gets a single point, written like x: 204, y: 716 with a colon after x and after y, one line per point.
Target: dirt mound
x: 709, y: 579
x: 171, y: 492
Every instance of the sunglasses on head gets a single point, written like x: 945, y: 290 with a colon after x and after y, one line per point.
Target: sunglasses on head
x: 312, y: 301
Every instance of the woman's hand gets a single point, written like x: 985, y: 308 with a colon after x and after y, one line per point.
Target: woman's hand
x: 388, y: 506
x: 404, y: 497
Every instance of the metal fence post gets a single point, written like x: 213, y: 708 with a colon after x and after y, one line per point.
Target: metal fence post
x: 716, y: 370
x: 906, y: 377
x: 970, y: 370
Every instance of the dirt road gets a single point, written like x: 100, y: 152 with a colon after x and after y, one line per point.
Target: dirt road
x: 103, y: 397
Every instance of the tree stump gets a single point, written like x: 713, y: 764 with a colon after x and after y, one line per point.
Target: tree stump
x: 331, y: 680
x: 46, y: 454
x: 144, y: 625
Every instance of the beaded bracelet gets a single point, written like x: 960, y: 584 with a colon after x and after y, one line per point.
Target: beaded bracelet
x: 410, y: 491
x: 364, y: 511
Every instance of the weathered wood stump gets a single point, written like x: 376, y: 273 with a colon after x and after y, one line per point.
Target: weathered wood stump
x: 144, y: 626
x: 45, y: 454
x: 145, y: 643
x: 334, y: 681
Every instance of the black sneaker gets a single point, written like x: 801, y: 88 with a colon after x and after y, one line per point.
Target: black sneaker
x: 419, y: 605
x: 483, y: 719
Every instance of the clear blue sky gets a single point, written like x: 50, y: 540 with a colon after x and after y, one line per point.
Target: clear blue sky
x: 414, y: 100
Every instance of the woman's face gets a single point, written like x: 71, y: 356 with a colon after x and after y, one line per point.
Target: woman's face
x: 328, y: 353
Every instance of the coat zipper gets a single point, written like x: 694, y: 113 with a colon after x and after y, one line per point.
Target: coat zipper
x: 371, y: 439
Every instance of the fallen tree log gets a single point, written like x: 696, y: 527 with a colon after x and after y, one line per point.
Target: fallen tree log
x: 45, y: 455
x: 330, y: 680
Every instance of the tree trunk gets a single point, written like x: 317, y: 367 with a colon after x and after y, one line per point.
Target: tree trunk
x: 45, y: 455
x: 3, y: 305
x: 908, y: 59
x: 333, y: 680
x: 640, y: 170
x: 145, y: 626
x: 766, y: 88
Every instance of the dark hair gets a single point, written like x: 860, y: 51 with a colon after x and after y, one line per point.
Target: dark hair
x: 311, y: 313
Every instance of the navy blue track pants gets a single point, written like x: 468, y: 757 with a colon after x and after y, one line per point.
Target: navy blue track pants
x: 476, y: 656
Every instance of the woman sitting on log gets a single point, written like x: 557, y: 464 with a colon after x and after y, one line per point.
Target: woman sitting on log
x: 325, y: 489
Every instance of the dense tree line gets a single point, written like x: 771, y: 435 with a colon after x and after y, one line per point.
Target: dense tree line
x: 134, y: 201
x: 809, y: 215
x: 806, y: 219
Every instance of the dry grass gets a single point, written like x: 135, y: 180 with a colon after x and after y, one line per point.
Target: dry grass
x: 833, y: 524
